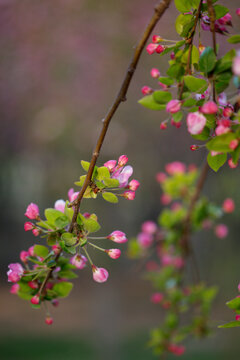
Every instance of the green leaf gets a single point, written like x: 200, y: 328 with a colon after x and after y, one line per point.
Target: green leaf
x: 183, y: 5
x: 195, y: 84
x: 234, y: 304
x: 220, y: 11
x: 102, y: 172
x: 204, y: 134
x: 194, y: 55
x: 91, y: 225
x: 184, y: 24
x: 162, y: 97
x: 41, y: 250
x: 69, y: 239
x: 110, y: 197
x: 111, y: 182
x: 63, y: 288
x: 61, y: 222
x: 225, y: 63
x: 221, y: 143
x: 175, y: 71
x: 149, y: 102
x: 51, y: 239
x: 52, y: 215
x: 67, y: 274
x: 207, y: 60
x: 85, y: 165
x: 222, y: 81
x: 234, y: 39
x: 230, y: 324
x: 215, y: 162
x: 45, y: 225
x: 166, y: 80
x: 177, y: 117
x: 190, y: 102
x: 82, y: 179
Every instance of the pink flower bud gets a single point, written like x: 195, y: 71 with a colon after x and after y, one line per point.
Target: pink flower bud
x: 134, y: 185
x: 73, y: 196
x: 161, y: 177
x: 163, y: 125
x: 220, y: 129
x: 151, y: 48
x: 31, y: 251
x: 32, y: 212
x: 56, y: 249
x: 176, y: 349
x: 228, y: 205
x: 100, y: 275
x: 113, y: 253
x: 165, y: 199
x: 35, y: 300
x: 221, y: 231
x: 163, y: 86
x: 176, y: 124
x: 196, y: 122
x: 155, y: 73
x: 60, y: 205
x: 14, y: 288
x: 36, y: 232
x: 110, y: 165
x: 123, y: 159
x: 149, y: 227
x: 160, y: 49
x: 33, y: 285
x: 49, y: 320
x: 172, y: 56
x: 145, y: 239
x: 231, y: 164
x: 156, y: 39
x: 238, y: 11
x: 173, y: 106
x: 15, y: 273
x: 129, y: 195
x: 227, y: 111
x: 146, y: 90
x: 24, y: 256
x: 55, y: 302
x: 79, y: 261
x: 194, y: 147
x: 28, y: 226
x: 157, y: 298
x: 175, y: 167
x: 234, y: 144
x: 117, y: 236
x: 225, y: 20
x: 236, y: 65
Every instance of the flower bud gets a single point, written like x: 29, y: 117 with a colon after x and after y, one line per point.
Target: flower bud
x: 160, y: 49
x: 113, y: 253
x: 176, y: 349
x: 129, y: 195
x: 238, y: 11
x: 123, y: 159
x: 31, y: 251
x: 117, y: 236
x: 15, y: 272
x: 35, y: 300
x: 49, y: 320
x: 231, y: 164
x: 36, y: 232
x: 209, y: 107
x: 14, y: 288
x: 60, y: 205
x: 165, y: 199
x: 221, y: 231
x: 156, y: 39
x: 28, y: 226
x: 110, y: 164
x: 79, y: 261
x: 134, y: 185
x: 149, y: 227
x: 145, y: 239
x: 55, y: 302
x: 196, y: 122
x: 33, y: 285
x: 32, y: 212
x: 56, y: 249
x: 228, y: 205
x: 100, y: 275
x: 151, y: 48
x: 157, y: 297
x: 24, y: 256
x: 163, y: 125
x: 173, y: 106
x: 227, y: 111
x: 194, y: 147
x: 146, y: 90
x: 155, y: 73
x: 236, y: 65
x: 161, y: 177
x: 234, y: 144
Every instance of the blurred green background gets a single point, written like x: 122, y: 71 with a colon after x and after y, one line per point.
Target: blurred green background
x: 61, y: 65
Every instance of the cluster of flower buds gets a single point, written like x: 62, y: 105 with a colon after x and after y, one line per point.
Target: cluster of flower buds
x: 46, y: 271
x: 220, y: 24
x: 166, y: 269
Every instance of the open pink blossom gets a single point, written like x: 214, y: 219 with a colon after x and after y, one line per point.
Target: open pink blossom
x: 225, y: 20
x: 228, y: 205
x: 79, y: 261
x: 234, y: 144
x: 220, y: 129
x: 60, y: 205
x: 173, y: 106
x: 236, y: 64
x: 123, y: 175
x: 209, y: 107
x: 72, y: 195
x: 110, y: 165
x: 149, y: 227
x: 144, y: 239
x: 196, y: 122
x: 175, y: 167
x: 117, y: 236
x: 221, y: 231
x: 113, y: 253
x: 32, y: 212
x: 15, y: 272
x: 100, y: 275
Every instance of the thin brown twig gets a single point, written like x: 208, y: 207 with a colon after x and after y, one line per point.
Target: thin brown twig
x: 159, y: 10
x: 212, y: 16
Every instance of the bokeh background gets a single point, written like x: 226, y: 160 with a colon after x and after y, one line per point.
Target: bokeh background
x: 61, y: 65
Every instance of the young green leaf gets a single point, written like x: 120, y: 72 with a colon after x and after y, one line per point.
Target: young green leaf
x: 102, y: 172
x: 234, y: 39
x: 41, y: 250
x: 207, y: 60
x: 63, y: 288
x: 85, y: 165
x: 149, y: 102
x: 215, y: 162
x: 69, y: 239
x: 162, y: 97
x: 230, y: 325
x: 110, y: 197
x: 195, y: 84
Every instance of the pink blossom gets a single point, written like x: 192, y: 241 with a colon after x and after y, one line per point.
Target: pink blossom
x: 145, y: 239
x: 196, y: 122
x: 55, y: 302
x: 176, y: 349
x: 31, y: 251
x: 155, y: 73
x: 173, y: 106
x: 146, y: 90
x: 70, y: 193
x: 15, y: 273
x: 74, y: 196
x: 163, y: 125
x: 236, y: 65
x: 177, y: 124
x: 35, y: 300
x: 100, y: 275
x: 161, y: 177
x: 149, y: 227
x: 49, y: 320
x: 194, y: 147
x: 160, y: 49
x: 231, y: 164
x: 239, y: 287
x: 36, y: 232
x: 222, y: 99
x: 134, y: 185
x: 175, y: 167
x: 220, y: 129
x: 60, y: 205
x: 221, y: 231
x: 33, y: 285
x: 151, y: 48
x: 56, y: 249
x: 114, y: 253
x: 129, y: 195
x: 225, y: 20
x: 32, y: 212
x: 156, y: 39
x: 24, y: 256
x: 79, y: 261
x: 227, y: 111
x: 157, y: 297
x: 123, y: 175
x: 123, y: 159
x: 110, y: 165
x: 209, y: 107
x: 28, y: 226
x: 117, y: 236
x: 163, y: 86
x: 14, y: 288
x: 228, y: 205
x: 238, y: 11
x: 165, y: 199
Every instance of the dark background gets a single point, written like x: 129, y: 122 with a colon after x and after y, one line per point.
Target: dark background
x: 61, y: 65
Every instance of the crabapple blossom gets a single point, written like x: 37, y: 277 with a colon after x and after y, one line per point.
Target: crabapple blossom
x: 173, y: 106
x: 60, y: 205
x: 234, y: 144
x: 156, y: 39
x: 220, y: 129
x: 236, y: 64
x: 145, y: 239
x: 175, y: 167
x: 123, y: 159
x: 134, y: 185
x: 196, y: 122
x: 231, y: 164
x: 117, y: 236
x: 79, y: 261
x: 227, y: 111
x: 14, y: 288
x: 49, y: 320
x: 160, y: 49
x: 157, y: 298
x: 129, y: 195
x: 149, y: 227
x: 165, y: 199
x: 32, y: 212
x: 15, y: 272
x: 151, y: 48
x: 161, y: 177
x: 176, y: 349
x: 100, y: 275
x: 122, y: 175
x: 113, y: 253
x: 228, y: 205
x: 35, y: 300
x: 155, y: 73
x: 209, y: 107
x: 110, y: 165
x: 146, y: 90
x: 163, y: 125
x: 24, y: 256
x: 221, y: 231
x: 238, y: 11
x: 31, y: 251
x: 36, y: 232
x: 28, y: 226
